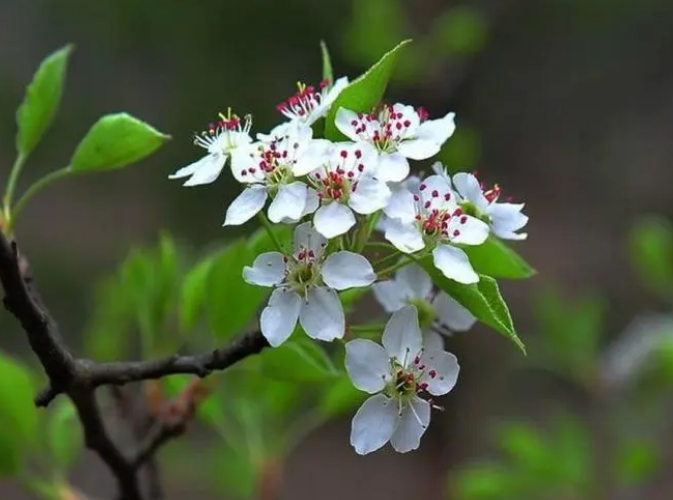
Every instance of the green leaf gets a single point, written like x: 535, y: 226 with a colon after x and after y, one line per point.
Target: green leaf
x: 231, y: 303
x: 484, y: 482
x: 350, y: 297
x: 297, y: 360
x: 193, y: 293
x: 340, y: 397
x: 460, y: 30
x: 260, y: 241
x: 494, y: 258
x: 364, y: 93
x: 234, y: 472
x: 64, y: 434
x: 651, y: 249
x: 327, y: 73
x: 18, y: 415
x: 43, y: 97
x: 482, y: 299
x: 636, y: 461
x: 115, y: 141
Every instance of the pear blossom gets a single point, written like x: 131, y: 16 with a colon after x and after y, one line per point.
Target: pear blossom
x: 411, y: 183
x: 305, y: 287
x: 220, y: 140
x: 399, y: 133
x: 270, y: 169
x: 431, y: 217
x: 397, y: 374
x: 347, y: 183
x: 504, y: 219
x: 308, y: 105
x: 438, y: 311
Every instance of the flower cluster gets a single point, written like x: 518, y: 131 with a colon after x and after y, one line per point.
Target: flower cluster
x: 336, y: 189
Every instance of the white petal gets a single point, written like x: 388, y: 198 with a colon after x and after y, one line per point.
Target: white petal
x: 289, y: 203
x: 370, y: 195
x: 391, y: 295
x: 243, y: 158
x: 333, y: 219
x: 411, y: 425
x: 206, y: 170
x: 306, y: 237
x: 438, y: 130
x: 279, y: 318
x: 467, y: 230
x: 401, y: 206
x: 402, y: 336
x: 469, y: 188
x: 506, y: 219
x: 368, y: 365
x: 267, y: 270
x: 407, y: 238
x: 416, y: 280
x: 322, y: 315
x: 312, y: 202
x: 418, y: 149
x: 189, y: 169
x: 373, y: 424
x: 455, y: 264
x: 343, y: 121
x: 433, y: 341
x: 452, y: 314
x: 343, y: 270
x: 315, y: 155
x: 245, y: 206
x: 392, y: 167
x: 441, y: 371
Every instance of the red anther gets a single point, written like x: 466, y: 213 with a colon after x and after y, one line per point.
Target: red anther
x: 463, y: 219
x: 398, y: 126
x: 317, y: 175
x: 447, y: 196
x: 432, y: 373
x: 418, y: 217
x: 421, y: 367
x: 456, y: 233
x: 427, y: 204
x: 417, y: 360
x: 423, y: 386
x: 344, y: 153
x: 422, y: 187
x: 458, y: 211
x: 422, y: 114
x: 252, y: 170
x: 358, y: 154
x: 311, y: 254
x: 351, y: 174
x: 361, y: 167
x: 244, y: 173
x: 354, y: 123
x: 435, y: 193
x: 407, y: 123
x: 285, y: 259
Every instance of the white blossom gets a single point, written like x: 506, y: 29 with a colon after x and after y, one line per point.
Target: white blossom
x: 308, y: 105
x: 347, y: 183
x: 504, y: 219
x: 270, y: 169
x: 220, y: 140
x: 397, y: 373
x: 399, y: 133
x: 431, y: 216
x: 305, y: 287
x: 439, y: 312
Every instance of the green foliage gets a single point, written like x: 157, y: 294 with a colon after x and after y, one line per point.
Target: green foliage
x: 193, y: 293
x: 327, y: 72
x: 18, y: 416
x: 636, y: 461
x: 115, y: 141
x: 43, y: 97
x: 651, y: 250
x: 234, y: 472
x: 300, y: 359
x: 364, y: 93
x: 340, y: 397
x: 494, y: 258
x: 231, y: 303
x: 64, y: 434
x: 462, y: 151
x: 460, y: 30
x: 483, y: 482
x: 482, y: 299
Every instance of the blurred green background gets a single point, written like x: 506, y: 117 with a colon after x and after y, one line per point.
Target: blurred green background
x: 568, y: 104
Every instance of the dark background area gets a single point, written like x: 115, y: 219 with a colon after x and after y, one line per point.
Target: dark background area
x: 568, y: 104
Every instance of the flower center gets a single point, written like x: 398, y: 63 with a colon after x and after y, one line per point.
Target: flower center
x: 303, y: 271
x: 274, y: 164
x: 435, y: 212
x: 406, y: 382
x: 221, y: 136
x: 338, y: 183
x: 384, y: 129
x: 305, y: 100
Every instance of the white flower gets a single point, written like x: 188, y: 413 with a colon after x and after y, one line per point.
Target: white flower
x: 306, y: 285
x: 221, y: 139
x: 504, y: 218
x: 399, y: 132
x: 396, y: 374
x: 432, y: 217
x: 347, y: 183
x: 270, y: 168
x: 308, y: 105
x: 411, y: 183
x: 438, y: 311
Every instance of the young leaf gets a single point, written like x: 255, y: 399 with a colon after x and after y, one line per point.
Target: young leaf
x: 297, y: 360
x: 341, y: 397
x: 482, y: 299
x: 365, y: 92
x: 43, y: 97
x: 494, y: 258
x: 18, y: 416
x: 651, y: 248
x: 193, y: 293
x: 64, y: 435
x: 327, y: 73
x: 231, y: 303
x: 115, y: 141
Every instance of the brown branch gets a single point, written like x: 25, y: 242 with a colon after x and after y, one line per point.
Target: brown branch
x: 79, y: 378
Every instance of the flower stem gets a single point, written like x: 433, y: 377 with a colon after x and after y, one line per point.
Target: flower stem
x: 366, y: 231
x: 386, y: 259
x: 13, y: 179
x: 406, y: 260
x: 369, y: 328
x: 269, y: 229
x: 12, y: 213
